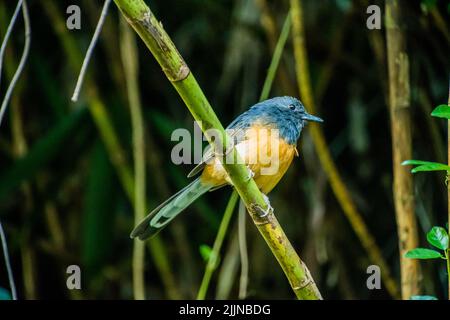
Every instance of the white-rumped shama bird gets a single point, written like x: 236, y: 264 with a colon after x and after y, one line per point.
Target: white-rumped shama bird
x: 285, y: 114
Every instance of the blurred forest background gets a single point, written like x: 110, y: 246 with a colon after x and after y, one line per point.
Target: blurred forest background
x: 65, y: 167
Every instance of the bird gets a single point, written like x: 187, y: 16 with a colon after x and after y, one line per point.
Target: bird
x: 287, y: 115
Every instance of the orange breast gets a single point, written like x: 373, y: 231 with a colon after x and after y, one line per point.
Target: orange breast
x: 267, y: 155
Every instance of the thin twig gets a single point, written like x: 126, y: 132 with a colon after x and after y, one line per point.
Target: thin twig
x: 7, y: 34
x: 440, y: 22
x: 213, y: 259
x: 8, y: 263
x: 90, y: 49
x: 279, y: 48
x: 23, y: 59
x: 20, y: 149
x: 243, y: 282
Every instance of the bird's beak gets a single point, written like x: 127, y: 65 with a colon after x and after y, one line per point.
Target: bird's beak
x: 310, y: 117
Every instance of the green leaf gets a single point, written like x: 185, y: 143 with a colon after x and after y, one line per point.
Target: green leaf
x: 438, y: 237
x: 431, y: 167
x: 423, y: 298
x: 205, y: 251
x: 208, y: 254
x: 422, y: 253
x: 441, y: 111
x: 426, y: 166
x: 416, y: 162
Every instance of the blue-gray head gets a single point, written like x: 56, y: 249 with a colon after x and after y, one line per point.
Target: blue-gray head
x: 285, y: 113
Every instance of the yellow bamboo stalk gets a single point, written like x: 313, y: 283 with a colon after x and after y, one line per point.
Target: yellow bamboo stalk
x: 336, y: 182
x: 399, y: 103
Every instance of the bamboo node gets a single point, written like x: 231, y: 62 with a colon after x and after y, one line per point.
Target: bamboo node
x: 259, y: 215
x: 303, y: 283
x: 156, y: 31
x: 183, y: 73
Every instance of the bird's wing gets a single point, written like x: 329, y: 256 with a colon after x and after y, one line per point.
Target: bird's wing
x: 236, y: 131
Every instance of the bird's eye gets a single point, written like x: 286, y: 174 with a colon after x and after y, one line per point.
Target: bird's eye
x: 292, y: 107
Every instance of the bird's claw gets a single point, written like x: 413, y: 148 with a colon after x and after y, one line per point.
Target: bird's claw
x: 264, y: 213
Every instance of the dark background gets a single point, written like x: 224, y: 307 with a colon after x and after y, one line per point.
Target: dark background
x: 61, y: 201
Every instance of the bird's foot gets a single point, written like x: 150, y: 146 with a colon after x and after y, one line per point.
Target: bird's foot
x: 264, y: 213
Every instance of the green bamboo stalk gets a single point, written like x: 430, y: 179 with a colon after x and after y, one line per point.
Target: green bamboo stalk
x: 272, y: 71
x: 109, y: 137
x: 176, y: 70
x: 264, y: 95
x: 269, y: 24
x: 131, y: 66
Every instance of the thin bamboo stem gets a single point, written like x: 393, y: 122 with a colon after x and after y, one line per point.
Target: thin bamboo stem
x: 109, y: 137
x: 271, y: 72
x: 399, y: 101
x: 269, y: 24
x: 131, y: 66
x: 440, y: 22
x: 336, y: 182
x: 178, y: 232
x: 176, y: 70
x: 229, y: 267
x: 243, y: 281
x: 213, y: 259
